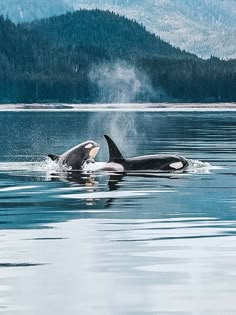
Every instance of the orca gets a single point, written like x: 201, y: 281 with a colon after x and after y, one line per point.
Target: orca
x: 146, y: 163
x: 76, y: 157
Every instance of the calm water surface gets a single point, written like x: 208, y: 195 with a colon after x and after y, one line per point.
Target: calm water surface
x: 163, y: 244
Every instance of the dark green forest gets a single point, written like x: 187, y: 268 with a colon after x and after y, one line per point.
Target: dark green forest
x: 61, y: 59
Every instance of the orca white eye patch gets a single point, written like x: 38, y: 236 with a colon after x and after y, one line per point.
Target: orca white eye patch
x: 89, y: 146
x: 176, y: 165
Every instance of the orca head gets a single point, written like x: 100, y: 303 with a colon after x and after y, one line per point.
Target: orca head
x: 85, y: 152
x: 76, y: 157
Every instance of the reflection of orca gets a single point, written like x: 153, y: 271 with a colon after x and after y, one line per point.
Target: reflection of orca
x: 158, y: 162
x: 76, y: 157
x: 79, y: 177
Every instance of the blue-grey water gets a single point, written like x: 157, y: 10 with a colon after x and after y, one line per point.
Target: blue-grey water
x: 163, y: 244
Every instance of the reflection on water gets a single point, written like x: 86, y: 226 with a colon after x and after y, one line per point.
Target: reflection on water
x: 100, y: 244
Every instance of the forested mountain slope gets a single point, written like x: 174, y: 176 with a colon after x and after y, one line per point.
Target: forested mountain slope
x: 114, y: 35
x: 83, y: 57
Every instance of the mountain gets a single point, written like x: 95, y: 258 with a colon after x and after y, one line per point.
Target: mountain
x: 29, y: 10
x: 115, y: 36
x: 203, y: 27
x: 99, y: 56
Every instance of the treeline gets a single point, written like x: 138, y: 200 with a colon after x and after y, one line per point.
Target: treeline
x: 211, y: 80
x: 51, y: 60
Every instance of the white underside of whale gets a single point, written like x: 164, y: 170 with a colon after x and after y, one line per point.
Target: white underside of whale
x: 113, y: 167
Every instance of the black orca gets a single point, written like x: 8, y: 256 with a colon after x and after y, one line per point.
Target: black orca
x: 157, y: 162
x: 76, y: 157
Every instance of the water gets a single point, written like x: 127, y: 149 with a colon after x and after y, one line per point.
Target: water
x: 162, y: 244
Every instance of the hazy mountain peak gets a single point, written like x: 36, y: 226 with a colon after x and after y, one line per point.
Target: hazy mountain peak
x: 204, y: 27
x: 29, y: 10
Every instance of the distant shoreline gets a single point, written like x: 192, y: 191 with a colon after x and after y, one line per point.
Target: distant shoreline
x: 131, y: 107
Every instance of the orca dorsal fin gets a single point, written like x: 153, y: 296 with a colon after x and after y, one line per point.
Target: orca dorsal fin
x: 114, y: 152
x: 53, y: 157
